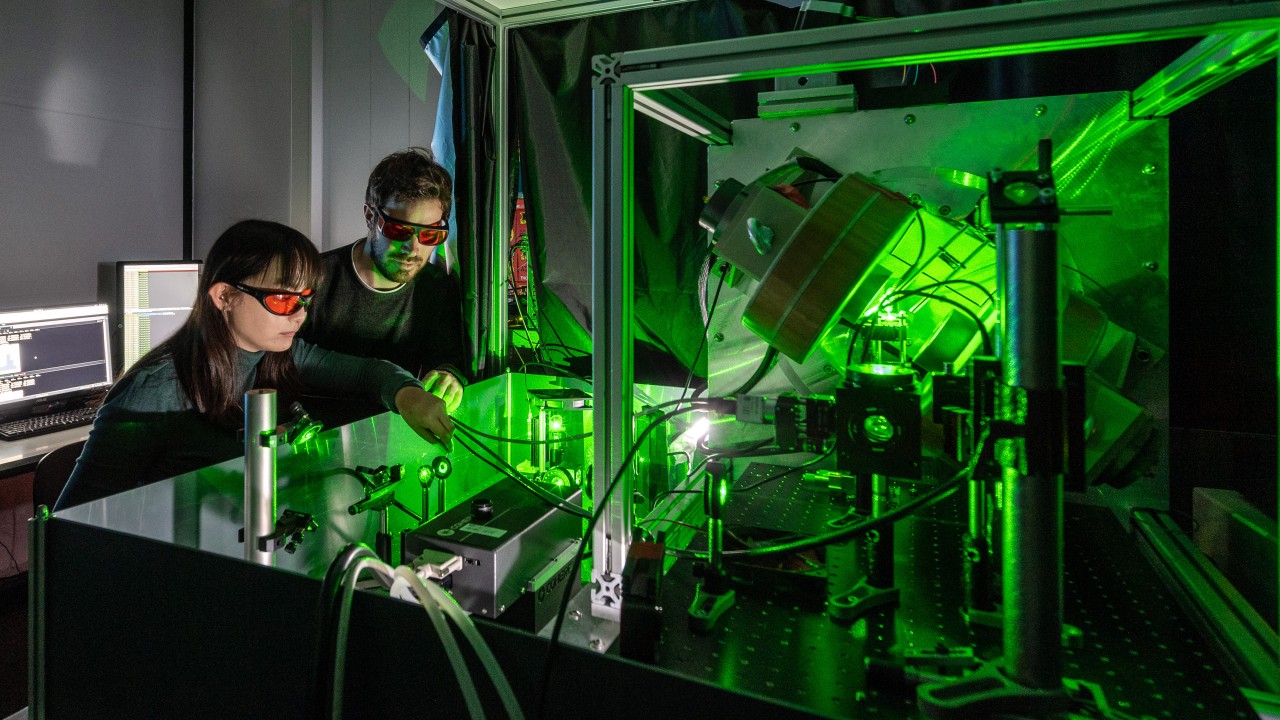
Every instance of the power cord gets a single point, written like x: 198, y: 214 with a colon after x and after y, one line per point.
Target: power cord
x: 603, y: 504
x: 496, y: 462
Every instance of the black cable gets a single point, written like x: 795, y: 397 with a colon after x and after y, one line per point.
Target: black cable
x: 517, y: 441
x: 855, y: 332
x: 557, y: 368
x: 703, y: 403
x: 813, y: 181
x: 327, y: 611
x: 524, y: 322
x: 935, y: 495
x: 742, y: 450
x: 702, y: 343
x: 906, y: 276
x: 766, y: 364
x: 891, y: 297
x: 1082, y: 274
x: 987, y: 346
x: 568, y: 351
x: 778, y: 476
x: 10, y: 554
x: 503, y: 467
x: 577, y: 561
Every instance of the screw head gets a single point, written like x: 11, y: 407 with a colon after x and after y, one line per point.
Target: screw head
x: 827, y: 369
x: 718, y: 337
x: 944, y: 210
x: 1041, y: 109
x: 909, y: 119
x: 1151, y: 266
x: 794, y: 127
x: 596, y: 644
x: 1150, y: 169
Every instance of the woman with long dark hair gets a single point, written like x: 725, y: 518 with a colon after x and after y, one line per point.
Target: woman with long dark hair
x: 180, y: 406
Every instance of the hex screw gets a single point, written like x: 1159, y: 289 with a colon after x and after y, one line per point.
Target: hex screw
x: 909, y: 119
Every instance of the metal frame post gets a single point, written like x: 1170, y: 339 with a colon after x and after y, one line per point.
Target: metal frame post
x: 498, y: 350
x: 612, y: 281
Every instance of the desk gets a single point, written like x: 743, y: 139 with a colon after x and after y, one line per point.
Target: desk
x: 19, y: 455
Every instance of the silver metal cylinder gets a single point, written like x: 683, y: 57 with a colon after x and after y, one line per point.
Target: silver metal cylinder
x: 1032, y: 464
x: 259, y: 472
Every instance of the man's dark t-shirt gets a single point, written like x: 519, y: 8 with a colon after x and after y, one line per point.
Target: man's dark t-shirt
x: 417, y: 326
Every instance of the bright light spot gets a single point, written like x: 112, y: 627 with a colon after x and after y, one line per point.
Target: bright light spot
x: 688, y: 440
x: 700, y: 429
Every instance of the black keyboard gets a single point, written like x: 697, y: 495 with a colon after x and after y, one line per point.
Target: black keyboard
x: 41, y: 424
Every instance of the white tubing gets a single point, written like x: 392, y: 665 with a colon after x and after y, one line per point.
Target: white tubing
x: 451, y: 649
x: 468, y: 628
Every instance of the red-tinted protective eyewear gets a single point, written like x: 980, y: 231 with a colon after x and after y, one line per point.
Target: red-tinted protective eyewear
x: 279, y: 302
x: 400, y: 230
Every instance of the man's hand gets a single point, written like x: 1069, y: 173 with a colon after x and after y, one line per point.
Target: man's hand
x: 426, y: 414
x: 445, y: 386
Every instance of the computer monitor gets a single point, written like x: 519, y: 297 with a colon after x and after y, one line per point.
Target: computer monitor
x: 52, y: 359
x: 151, y: 299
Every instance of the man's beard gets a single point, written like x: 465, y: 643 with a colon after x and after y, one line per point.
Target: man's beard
x: 403, y: 271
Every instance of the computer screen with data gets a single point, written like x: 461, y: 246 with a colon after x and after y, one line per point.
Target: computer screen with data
x: 52, y: 358
x: 153, y: 299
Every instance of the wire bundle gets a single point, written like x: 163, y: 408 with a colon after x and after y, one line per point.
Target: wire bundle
x: 491, y: 458
x: 337, y: 592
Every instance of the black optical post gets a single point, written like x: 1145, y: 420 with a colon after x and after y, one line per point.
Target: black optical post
x: 1028, y: 432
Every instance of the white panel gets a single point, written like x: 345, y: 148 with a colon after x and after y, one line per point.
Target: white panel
x: 348, y: 103
x: 90, y: 142
x: 255, y: 101
x: 243, y: 88
x: 378, y: 99
x: 115, y: 60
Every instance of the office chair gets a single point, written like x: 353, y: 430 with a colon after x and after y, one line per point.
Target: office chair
x: 52, y: 473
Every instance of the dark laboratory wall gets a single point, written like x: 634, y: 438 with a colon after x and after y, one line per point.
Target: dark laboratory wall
x: 91, y: 132
x: 1222, y: 255
x: 1222, y: 265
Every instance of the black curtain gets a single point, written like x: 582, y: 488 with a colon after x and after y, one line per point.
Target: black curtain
x: 469, y: 135
x: 551, y: 126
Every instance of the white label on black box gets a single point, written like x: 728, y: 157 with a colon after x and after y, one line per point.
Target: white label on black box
x: 483, y: 530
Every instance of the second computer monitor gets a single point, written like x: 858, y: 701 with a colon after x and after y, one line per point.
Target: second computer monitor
x: 152, y: 299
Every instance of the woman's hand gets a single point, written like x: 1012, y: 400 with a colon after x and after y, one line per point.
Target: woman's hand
x: 445, y: 386
x: 426, y: 414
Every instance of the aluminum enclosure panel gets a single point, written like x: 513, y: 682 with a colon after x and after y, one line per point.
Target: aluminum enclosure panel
x: 939, y: 156
x: 501, y: 553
